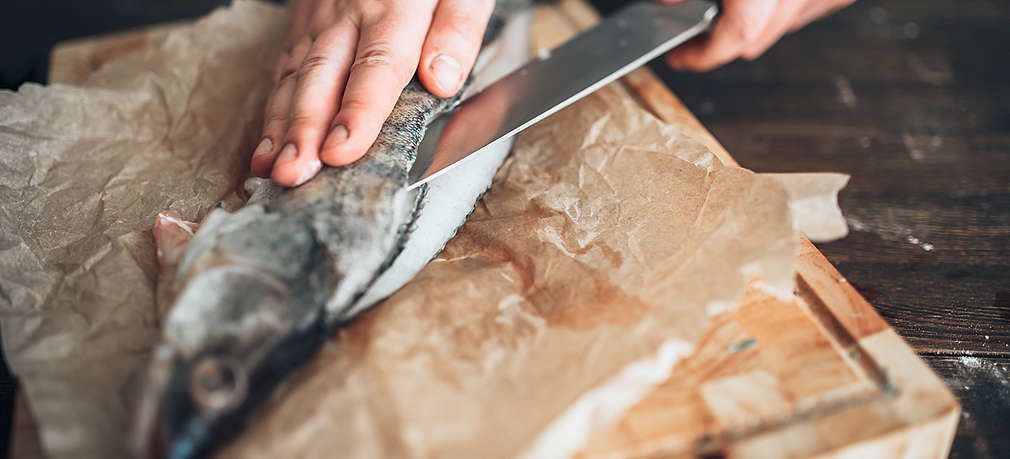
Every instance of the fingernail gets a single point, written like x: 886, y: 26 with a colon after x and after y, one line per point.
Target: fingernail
x: 288, y: 154
x: 446, y: 71
x: 310, y: 170
x: 264, y: 148
x: 338, y: 135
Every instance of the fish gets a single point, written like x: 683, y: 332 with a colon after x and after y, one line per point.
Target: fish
x: 253, y: 293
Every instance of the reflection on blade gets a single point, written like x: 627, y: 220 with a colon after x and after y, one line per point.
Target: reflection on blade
x: 613, y: 48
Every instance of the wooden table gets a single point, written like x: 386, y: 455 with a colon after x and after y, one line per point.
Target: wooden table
x: 912, y: 98
x: 828, y: 124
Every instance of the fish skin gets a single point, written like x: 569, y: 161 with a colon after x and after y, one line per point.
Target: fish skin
x: 259, y: 290
x: 171, y: 236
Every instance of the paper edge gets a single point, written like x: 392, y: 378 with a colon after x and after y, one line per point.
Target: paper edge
x: 605, y: 404
x: 813, y: 203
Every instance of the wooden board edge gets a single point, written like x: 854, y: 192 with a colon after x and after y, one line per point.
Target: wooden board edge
x: 840, y: 300
x: 856, y: 314
x: 919, y: 397
x: 852, y: 318
x: 861, y: 323
x: 933, y: 438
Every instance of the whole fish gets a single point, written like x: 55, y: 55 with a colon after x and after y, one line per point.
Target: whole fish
x: 257, y: 291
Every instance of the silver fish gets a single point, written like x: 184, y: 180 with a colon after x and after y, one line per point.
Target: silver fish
x: 259, y: 290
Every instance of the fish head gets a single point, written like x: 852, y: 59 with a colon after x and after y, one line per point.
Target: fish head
x: 228, y: 342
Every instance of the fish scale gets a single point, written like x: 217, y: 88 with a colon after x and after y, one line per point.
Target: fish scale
x: 258, y: 290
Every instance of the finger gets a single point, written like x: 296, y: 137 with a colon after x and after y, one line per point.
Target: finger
x: 292, y: 60
x: 790, y: 16
x: 782, y: 20
x: 706, y: 52
x: 275, y: 117
x: 300, y: 20
x: 452, y: 44
x: 275, y: 123
x: 741, y: 23
x: 387, y: 55
x: 317, y: 92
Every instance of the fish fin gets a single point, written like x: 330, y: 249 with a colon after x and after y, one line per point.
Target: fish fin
x: 171, y: 237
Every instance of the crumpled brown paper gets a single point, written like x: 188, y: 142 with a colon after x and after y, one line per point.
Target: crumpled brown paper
x: 83, y: 173
x: 606, y: 238
x: 593, y: 263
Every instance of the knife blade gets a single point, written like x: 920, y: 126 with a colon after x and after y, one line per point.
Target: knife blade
x: 619, y: 44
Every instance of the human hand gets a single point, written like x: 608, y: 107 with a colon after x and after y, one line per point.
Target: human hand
x: 346, y: 63
x: 747, y: 28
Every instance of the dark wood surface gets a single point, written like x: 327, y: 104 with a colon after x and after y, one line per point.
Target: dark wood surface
x: 911, y: 97
x: 28, y: 28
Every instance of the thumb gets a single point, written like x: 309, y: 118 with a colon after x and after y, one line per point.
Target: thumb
x: 452, y: 44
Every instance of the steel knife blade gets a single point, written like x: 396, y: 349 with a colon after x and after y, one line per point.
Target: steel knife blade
x: 617, y: 45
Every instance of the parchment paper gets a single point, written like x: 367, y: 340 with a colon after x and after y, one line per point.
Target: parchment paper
x: 592, y: 264
x: 83, y: 173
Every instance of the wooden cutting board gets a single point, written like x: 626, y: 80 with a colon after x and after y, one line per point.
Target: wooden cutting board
x: 821, y: 375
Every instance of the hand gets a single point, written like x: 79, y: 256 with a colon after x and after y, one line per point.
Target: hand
x: 346, y: 63
x: 747, y: 28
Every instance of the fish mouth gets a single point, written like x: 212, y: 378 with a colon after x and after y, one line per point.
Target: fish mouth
x: 146, y: 439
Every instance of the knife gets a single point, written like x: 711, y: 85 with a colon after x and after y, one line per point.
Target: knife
x: 621, y: 43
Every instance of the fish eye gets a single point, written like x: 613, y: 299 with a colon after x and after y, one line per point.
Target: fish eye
x: 216, y: 384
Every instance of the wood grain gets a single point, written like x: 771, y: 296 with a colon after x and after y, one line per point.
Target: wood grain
x: 983, y: 385
x: 821, y: 374
x: 910, y: 97
x: 925, y: 134
x: 719, y: 403
x: 758, y: 369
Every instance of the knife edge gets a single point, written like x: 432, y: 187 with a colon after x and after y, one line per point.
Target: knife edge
x: 592, y: 59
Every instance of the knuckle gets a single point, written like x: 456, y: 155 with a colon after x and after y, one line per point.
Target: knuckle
x: 287, y: 76
x: 379, y: 57
x: 354, y: 105
x: 300, y: 122
x: 274, y: 118
x: 312, y: 64
x: 374, y: 57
